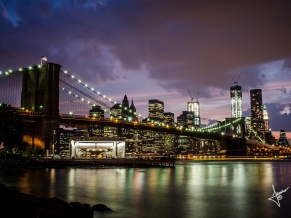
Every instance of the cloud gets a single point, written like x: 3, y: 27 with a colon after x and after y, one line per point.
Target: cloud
x: 283, y: 90
x: 177, y: 46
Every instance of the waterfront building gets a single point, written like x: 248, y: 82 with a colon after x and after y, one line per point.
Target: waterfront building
x: 95, y: 147
x: 64, y: 140
x: 257, y: 122
x: 156, y: 110
x: 236, y: 100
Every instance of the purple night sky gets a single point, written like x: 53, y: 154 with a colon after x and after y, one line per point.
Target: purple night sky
x: 160, y: 49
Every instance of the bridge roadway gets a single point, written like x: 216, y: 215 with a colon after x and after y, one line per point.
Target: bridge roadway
x: 77, y: 120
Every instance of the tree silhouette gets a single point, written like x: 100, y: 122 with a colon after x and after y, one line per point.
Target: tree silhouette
x: 12, y: 128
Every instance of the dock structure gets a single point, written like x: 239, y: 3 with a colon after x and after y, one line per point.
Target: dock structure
x: 102, y: 162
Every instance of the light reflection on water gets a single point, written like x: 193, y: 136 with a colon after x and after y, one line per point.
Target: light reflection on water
x: 191, y: 189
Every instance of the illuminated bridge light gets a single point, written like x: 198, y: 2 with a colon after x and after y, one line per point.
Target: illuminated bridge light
x: 98, y: 93
x: 88, y: 102
x: 65, y: 72
x: 86, y: 85
x: 73, y: 76
x: 109, y: 99
x: 92, y: 89
x: 82, y: 99
x: 6, y: 73
x: 79, y: 81
x: 63, y: 88
x: 70, y: 92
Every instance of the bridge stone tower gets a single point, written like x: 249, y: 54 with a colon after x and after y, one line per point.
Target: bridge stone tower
x: 40, y: 93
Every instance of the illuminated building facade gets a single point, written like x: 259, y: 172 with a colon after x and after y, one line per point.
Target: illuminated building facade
x: 266, y: 118
x: 195, y: 108
x: 169, y: 118
x: 257, y: 121
x: 283, y: 139
x: 97, y: 147
x: 186, y: 119
x: 64, y: 140
x: 236, y: 100
x: 156, y: 110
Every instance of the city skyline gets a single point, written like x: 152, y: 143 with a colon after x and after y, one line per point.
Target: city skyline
x: 159, y: 52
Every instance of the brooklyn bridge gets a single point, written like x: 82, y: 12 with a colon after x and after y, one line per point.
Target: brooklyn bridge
x: 48, y: 97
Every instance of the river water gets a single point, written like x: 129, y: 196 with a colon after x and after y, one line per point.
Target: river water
x: 191, y: 189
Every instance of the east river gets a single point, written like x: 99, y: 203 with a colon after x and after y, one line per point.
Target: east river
x: 191, y: 189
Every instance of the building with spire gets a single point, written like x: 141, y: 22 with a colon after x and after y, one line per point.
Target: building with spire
x: 123, y: 111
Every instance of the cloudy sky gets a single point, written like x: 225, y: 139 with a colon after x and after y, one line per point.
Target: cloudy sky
x: 160, y: 49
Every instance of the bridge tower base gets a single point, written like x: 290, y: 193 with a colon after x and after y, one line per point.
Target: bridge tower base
x: 40, y: 93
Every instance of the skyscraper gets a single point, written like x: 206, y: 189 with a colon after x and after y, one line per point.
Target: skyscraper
x: 236, y: 100
x: 156, y: 110
x: 283, y: 139
x: 195, y: 108
x: 169, y: 118
x: 257, y: 121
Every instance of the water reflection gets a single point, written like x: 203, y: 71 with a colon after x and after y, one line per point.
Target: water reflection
x: 191, y: 189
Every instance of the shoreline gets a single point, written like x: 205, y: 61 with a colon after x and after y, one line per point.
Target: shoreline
x: 18, y: 204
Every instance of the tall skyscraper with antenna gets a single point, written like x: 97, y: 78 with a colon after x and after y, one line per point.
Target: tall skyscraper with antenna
x: 236, y: 99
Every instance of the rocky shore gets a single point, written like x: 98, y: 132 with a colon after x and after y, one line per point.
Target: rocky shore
x: 16, y: 204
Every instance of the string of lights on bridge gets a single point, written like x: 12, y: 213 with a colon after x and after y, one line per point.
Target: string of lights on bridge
x: 93, y: 91
x: 208, y: 128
